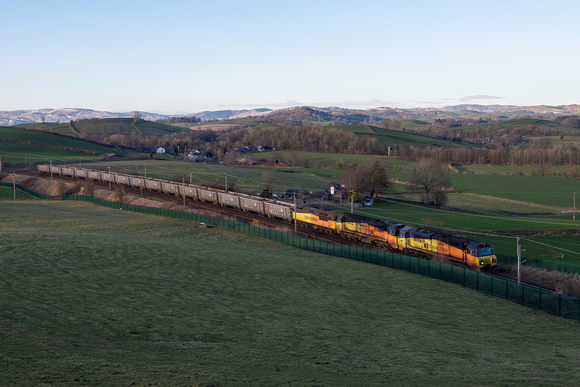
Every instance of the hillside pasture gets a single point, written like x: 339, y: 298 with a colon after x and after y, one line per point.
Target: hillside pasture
x: 50, y: 141
x: 123, y: 126
x: 19, y: 154
x: 96, y: 296
x: 550, y: 126
x: 396, y: 137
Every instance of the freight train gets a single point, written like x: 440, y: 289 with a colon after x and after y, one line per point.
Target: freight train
x: 392, y: 236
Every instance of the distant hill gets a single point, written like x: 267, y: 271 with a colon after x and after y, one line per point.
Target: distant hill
x: 306, y: 114
x: 230, y: 114
x: 16, y: 117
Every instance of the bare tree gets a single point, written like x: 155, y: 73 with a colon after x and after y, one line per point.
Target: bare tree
x: 268, y: 179
x: 120, y: 193
x: 356, y: 178
x: 431, y: 181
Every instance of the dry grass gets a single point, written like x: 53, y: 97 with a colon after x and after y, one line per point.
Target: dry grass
x: 563, y: 283
x: 43, y: 186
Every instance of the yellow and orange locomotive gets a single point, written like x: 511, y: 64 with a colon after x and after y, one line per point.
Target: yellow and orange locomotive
x: 398, y: 237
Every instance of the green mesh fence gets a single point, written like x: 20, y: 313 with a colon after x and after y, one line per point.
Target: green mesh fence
x: 546, y: 301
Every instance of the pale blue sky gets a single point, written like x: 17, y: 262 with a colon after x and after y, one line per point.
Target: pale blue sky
x: 189, y: 56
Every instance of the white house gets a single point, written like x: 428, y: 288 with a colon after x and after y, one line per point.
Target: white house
x: 160, y: 150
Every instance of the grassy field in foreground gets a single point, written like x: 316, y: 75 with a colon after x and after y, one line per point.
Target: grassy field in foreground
x: 97, y: 296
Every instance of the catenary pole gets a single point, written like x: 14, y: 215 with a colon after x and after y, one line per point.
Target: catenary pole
x: 295, y: 222
x: 183, y: 181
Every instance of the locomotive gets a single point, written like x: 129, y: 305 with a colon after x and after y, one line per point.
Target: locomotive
x: 408, y: 240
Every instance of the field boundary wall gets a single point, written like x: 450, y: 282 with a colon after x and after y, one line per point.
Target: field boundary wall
x: 530, y: 296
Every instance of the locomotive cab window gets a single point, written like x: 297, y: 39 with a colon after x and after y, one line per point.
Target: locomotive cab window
x: 471, y: 251
x: 484, y: 251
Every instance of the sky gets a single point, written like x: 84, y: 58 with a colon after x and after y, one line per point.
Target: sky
x: 175, y: 56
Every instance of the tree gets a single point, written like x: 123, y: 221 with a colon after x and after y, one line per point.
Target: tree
x: 120, y: 193
x: 431, y: 181
x: 268, y: 179
x: 378, y: 175
x: 356, y: 178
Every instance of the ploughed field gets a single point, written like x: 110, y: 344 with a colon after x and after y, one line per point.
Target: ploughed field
x: 92, y: 295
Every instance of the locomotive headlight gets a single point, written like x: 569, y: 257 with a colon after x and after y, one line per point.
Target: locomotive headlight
x: 481, y: 262
x: 494, y: 260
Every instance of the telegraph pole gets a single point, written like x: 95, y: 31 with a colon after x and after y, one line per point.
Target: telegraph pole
x: 574, y: 217
x: 519, y: 249
x: 227, y: 185
x: 352, y: 202
x: 14, y: 185
x: 51, y: 169
x: 109, y: 177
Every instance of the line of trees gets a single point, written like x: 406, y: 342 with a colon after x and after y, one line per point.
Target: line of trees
x: 303, y: 138
x: 429, y: 180
x: 566, y: 155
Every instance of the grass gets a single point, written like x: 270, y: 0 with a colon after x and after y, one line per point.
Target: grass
x: 97, y: 296
x: 550, y: 193
x: 396, y: 137
x: 112, y: 126
x: 20, y: 153
x: 7, y: 193
x: 518, y: 170
x: 41, y: 146
x: 246, y: 178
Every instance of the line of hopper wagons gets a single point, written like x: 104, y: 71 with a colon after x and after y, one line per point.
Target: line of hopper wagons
x: 270, y: 208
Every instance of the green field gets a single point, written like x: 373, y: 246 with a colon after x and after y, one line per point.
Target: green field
x: 98, y: 296
x: 250, y: 179
x: 517, y: 170
x: 546, y: 193
x: 7, y: 193
x: 38, y: 146
x: 108, y: 126
x: 393, y: 137
x: 526, y: 122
